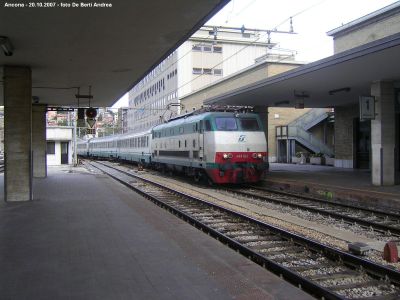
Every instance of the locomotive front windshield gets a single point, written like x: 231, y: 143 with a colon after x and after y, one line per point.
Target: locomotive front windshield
x: 226, y: 124
x: 235, y: 124
x: 249, y: 124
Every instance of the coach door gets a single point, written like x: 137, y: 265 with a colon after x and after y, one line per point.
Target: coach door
x: 201, y: 140
x: 64, y: 153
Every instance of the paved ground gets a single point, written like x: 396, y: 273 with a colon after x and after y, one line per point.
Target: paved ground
x: 351, y: 183
x: 88, y: 237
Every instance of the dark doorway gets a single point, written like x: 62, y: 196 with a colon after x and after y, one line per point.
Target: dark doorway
x: 282, y: 151
x: 363, y: 144
x: 64, y: 153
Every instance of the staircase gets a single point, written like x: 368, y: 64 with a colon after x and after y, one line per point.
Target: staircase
x: 308, y: 140
x: 298, y: 131
x: 310, y: 118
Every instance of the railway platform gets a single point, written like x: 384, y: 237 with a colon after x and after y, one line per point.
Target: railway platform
x: 84, y: 236
x: 336, y: 184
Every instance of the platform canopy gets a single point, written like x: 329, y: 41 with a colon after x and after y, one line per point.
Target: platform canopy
x: 109, y: 49
x: 334, y: 81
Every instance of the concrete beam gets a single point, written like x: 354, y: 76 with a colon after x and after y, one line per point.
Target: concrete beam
x: 17, y: 133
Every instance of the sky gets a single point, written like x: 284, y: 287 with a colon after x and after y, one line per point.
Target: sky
x: 311, y: 20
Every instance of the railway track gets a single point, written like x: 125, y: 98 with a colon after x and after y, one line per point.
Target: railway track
x: 322, y: 271
x: 385, y: 222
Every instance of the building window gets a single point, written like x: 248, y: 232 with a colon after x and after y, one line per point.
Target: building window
x: 51, y: 148
x: 196, y: 70
x: 196, y: 48
x: 217, y: 49
x: 218, y: 72
x: 207, y: 71
x: 207, y: 48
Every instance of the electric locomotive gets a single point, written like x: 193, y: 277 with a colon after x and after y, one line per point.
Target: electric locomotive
x: 225, y: 147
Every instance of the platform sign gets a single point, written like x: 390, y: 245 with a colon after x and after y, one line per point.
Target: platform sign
x: 91, y: 131
x: 367, y: 108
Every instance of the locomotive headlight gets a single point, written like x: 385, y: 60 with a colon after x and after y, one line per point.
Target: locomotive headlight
x: 225, y: 156
x: 230, y: 155
x: 254, y: 155
x: 259, y: 155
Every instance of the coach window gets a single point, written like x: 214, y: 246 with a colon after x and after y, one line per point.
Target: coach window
x: 180, y: 129
x: 185, y: 143
x: 147, y: 141
x: 179, y: 144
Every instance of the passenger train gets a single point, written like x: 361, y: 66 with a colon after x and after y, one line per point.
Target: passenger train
x: 221, y: 147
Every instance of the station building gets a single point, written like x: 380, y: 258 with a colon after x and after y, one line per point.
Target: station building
x: 59, y: 145
x: 366, y: 144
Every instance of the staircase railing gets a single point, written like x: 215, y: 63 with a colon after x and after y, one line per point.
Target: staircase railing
x: 310, y: 118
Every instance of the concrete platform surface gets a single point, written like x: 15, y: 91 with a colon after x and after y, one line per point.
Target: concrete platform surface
x: 333, y: 183
x: 87, y: 237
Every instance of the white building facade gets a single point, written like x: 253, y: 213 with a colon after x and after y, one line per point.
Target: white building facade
x: 59, y: 148
x: 209, y: 55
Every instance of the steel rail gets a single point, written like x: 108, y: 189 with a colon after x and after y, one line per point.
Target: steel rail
x: 322, y: 201
x: 291, y: 276
x: 321, y: 211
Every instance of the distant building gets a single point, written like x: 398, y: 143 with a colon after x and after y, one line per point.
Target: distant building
x: 122, y: 122
x: 59, y: 118
x: 209, y: 55
x: 106, y: 123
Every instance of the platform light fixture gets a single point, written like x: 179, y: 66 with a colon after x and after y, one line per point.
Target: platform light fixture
x: 333, y: 92
x: 6, y: 45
